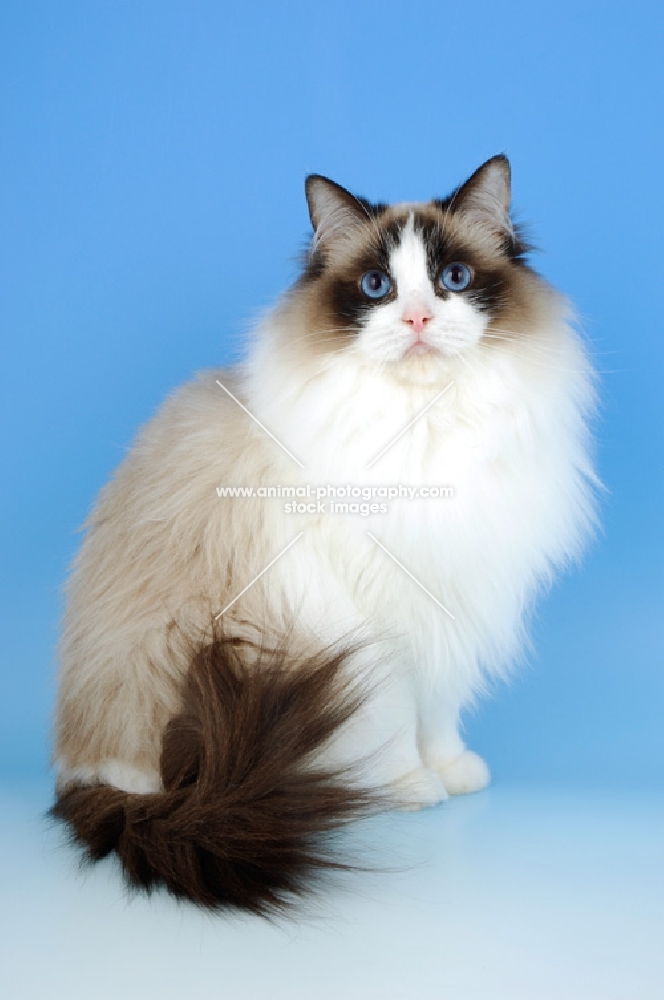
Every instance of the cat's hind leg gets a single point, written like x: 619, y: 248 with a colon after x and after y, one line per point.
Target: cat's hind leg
x: 118, y: 774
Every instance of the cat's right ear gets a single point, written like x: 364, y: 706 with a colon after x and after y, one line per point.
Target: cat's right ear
x: 485, y: 197
x: 333, y: 210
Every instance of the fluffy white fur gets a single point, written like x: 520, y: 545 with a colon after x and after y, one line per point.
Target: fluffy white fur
x: 510, y: 436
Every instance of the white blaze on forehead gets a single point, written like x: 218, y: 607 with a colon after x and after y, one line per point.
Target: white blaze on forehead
x: 453, y: 323
x: 408, y: 263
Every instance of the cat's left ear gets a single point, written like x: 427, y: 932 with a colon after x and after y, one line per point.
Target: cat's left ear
x: 486, y: 196
x: 333, y: 210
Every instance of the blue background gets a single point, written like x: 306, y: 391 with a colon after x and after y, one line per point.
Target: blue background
x: 151, y: 185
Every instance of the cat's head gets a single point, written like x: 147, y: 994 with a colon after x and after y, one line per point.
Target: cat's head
x: 414, y: 285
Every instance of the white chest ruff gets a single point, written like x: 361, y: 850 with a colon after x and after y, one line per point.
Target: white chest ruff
x: 508, y: 439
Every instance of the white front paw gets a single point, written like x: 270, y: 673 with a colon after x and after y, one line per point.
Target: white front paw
x: 418, y: 789
x: 465, y: 773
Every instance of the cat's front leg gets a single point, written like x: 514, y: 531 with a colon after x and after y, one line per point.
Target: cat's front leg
x: 443, y: 751
x: 380, y: 744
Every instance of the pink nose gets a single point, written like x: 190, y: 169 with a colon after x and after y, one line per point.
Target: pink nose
x: 417, y: 316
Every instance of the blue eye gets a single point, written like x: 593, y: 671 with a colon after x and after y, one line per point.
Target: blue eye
x: 375, y: 285
x: 455, y: 277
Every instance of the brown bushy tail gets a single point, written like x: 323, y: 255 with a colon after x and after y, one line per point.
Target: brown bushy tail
x: 245, y: 812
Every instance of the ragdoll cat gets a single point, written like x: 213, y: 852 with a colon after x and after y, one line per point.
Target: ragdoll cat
x: 241, y: 675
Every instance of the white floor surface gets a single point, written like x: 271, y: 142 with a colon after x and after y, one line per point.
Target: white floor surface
x: 512, y: 894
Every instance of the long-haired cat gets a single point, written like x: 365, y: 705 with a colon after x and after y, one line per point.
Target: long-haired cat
x: 240, y: 675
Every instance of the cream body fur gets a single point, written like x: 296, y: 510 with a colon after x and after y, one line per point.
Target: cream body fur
x: 163, y: 553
